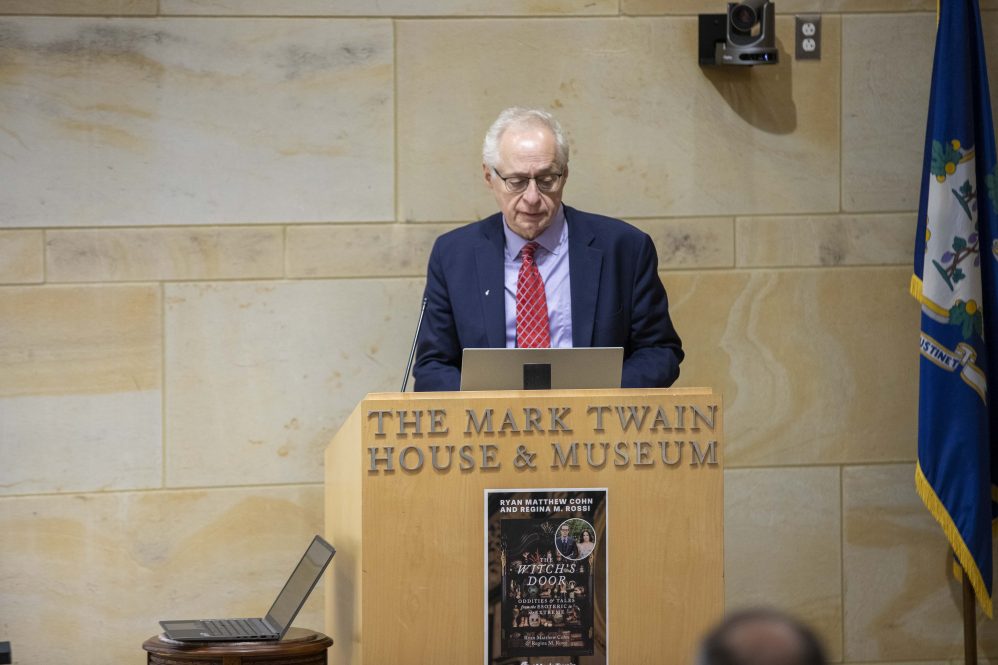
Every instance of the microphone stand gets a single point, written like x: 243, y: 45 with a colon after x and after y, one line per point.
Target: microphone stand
x: 412, y: 352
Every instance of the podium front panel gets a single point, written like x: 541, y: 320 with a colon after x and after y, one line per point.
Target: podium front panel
x: 405, y: 484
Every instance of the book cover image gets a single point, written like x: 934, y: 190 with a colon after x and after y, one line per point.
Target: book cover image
x: 546, y: 554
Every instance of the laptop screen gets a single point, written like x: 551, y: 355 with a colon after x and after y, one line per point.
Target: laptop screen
x: 300, y: 584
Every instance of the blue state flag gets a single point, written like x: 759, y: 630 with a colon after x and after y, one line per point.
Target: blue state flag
x: 956, y: 268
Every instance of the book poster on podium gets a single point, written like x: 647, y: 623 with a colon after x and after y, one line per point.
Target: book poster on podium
x: 545, y: 577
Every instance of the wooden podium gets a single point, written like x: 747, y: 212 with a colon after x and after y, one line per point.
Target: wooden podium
x: 404, y: 507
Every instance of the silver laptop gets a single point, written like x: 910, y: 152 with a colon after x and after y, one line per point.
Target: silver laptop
x: 277, y: 621
x: 516, y: 369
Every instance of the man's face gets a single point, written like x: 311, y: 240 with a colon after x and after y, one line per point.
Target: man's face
x: 527, y: 152
x: 564, y: 532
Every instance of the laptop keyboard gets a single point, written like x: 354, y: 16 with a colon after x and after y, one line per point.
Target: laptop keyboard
x: 236, y: 627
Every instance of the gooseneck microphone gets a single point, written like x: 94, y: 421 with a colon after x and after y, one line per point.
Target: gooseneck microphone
x: 412, y: 352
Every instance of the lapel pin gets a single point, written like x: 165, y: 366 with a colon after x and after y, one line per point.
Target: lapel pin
x: 487, y: 291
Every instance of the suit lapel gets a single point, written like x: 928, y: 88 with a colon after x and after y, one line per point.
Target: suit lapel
x: 491, y: 279
x: 584, y: 265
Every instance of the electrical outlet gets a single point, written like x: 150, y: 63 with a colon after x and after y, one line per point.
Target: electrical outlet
x: 808, y: 37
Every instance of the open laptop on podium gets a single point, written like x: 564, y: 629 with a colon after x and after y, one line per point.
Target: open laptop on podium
x: 542, y: 369
x: 275, y: 624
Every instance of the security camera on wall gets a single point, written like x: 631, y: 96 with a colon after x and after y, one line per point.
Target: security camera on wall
x: 745, y: 35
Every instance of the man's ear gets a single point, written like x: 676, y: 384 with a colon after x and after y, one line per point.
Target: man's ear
x: 487, y: 174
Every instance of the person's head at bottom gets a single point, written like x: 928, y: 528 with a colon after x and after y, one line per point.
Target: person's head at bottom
x: 761, y: 636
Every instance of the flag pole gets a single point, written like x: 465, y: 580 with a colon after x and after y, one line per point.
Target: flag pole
x: 969, y: 622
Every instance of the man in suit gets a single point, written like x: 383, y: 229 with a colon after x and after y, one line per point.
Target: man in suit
x: 566, y: 544
x: 539, y: 273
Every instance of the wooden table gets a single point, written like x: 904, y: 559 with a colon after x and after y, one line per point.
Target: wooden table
x: 300, y: 646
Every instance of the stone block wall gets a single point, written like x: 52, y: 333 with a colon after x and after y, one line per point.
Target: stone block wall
x: 214, y: 221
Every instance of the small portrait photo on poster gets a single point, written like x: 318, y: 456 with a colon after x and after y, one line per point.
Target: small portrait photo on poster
x: 575, y: 539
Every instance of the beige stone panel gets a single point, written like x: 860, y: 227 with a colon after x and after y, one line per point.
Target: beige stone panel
x: 81, y: 443
x: 782, y: 530
x: 79, y: 340
x: 195, y: 121
x: 782, y: 6
x: 389, y: 7
x: 901, y: 602
x: 114, y: 255
x: 706, y: 242
x: 86, y: 578
x: 843, y: 240
x: 369, y: 250
x: 653, y: 7
x: 886, y: 79
x: 21, y: 257
x: 816, y: 366
x: 79, y: 7
x: 259, y: 376
x: 652, y: 134
x: 886, y: 75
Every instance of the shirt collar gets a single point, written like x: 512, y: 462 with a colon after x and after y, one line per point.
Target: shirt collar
x: 549, y: 239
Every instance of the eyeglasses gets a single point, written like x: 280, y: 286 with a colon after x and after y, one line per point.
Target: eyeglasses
x: 517, y: 184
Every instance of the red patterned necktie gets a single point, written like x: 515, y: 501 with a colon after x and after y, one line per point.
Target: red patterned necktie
x: 532, y: 330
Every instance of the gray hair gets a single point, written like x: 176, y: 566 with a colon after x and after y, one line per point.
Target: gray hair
x: 516, y: 116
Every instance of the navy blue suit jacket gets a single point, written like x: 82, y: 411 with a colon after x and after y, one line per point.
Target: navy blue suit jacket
x: 617, y: 300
